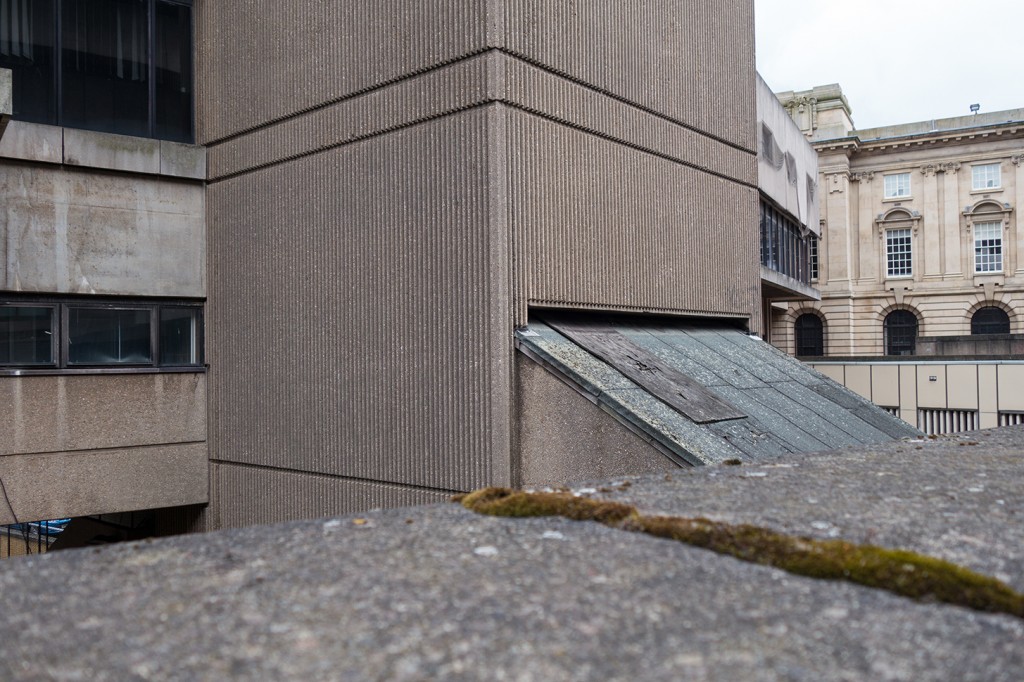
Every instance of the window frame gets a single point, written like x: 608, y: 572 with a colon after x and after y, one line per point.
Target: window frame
x: 885, y: 186
x: 891, y: 253
x: 997, y: 227
x: 60, y: 331
x: 978, y: 325
x: 800, y: 329
x: 998, y: 177
x: 892, y: 324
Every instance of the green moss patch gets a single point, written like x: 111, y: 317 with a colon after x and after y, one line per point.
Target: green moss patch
x: 901, y: 572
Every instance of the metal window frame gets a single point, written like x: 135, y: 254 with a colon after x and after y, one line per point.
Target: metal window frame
x: 60, y: 329
x: 974, y: 176
x: 885, y: 190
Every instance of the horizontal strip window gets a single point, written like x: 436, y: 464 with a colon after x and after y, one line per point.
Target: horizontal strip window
x: 40, y: 334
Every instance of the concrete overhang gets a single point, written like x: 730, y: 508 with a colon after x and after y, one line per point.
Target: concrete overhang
x: 778, y: 287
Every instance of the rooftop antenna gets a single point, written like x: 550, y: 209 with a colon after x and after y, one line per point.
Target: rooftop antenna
x: 975, y: 108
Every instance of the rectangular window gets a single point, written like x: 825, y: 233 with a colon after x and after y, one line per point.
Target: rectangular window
x: 26, y: 335
x: 985, y: 176
x: 109, y: 336
x: 898, y: 253
x: 897, y: 186
x: 179, y: 336
x: 813, y: 243
x: 43, y: 332
x: 988, y: 247
x: 118, y: 66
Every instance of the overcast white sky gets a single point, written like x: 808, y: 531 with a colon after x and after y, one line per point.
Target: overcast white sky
x: 898, y: 61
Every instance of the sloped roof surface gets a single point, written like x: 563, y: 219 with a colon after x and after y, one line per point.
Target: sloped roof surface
x: 778, y: 405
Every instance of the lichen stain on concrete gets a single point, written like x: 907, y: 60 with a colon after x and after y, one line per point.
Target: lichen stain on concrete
x: 901, y: 572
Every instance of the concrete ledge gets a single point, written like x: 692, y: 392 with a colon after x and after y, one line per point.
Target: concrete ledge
x: 89, y: 149
x: 68, y: 484
x: 442, y: 593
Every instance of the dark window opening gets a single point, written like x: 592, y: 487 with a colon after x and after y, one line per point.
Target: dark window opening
x: 121, y: 66
x: 26, y: 335
x: 810, y: 335
x: 990, y: 320
x: 900, y: 329
x: 77, y: 334
x: 783, y: 248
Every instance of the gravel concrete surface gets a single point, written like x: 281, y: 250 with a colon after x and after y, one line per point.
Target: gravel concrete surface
x: 440, y: 592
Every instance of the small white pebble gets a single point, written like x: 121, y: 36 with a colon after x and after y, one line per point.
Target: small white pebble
x: 976, y: 489
x: 486, y: 550
x: 586, y: 491
x: 552, y: 535
x: 333, y: 524
x: 756, y: 474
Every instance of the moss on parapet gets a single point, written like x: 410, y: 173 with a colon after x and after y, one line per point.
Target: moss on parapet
x: 901, y: 572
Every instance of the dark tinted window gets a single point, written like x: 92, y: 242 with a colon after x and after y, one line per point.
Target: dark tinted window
x: 124, y: 66
x: 990, y: 320
x: 179, y: 336
x: 810, y: 335
x: 27, y: 40
x: 173, y: 73
x: 26, y: 335
x: 106, y: 336
x: 900, y: 332
x: 105, y: 72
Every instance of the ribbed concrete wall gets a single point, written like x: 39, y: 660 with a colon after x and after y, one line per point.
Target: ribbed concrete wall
x: 263, y: 60
x: 268, y: 495
x: 604, y: 225
x: 358, y: 312
x: 687, y: 60
x: 393, y: 185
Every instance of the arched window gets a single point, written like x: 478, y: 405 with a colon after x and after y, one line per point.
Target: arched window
x: 900, y: 328
x: 990, y: 320
x: 810, y: 335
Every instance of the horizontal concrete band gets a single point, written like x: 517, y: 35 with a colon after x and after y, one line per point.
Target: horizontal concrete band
x: 276, y: 495
x: 90, y: 149
x: 102, y: 481
x: 493, y: 76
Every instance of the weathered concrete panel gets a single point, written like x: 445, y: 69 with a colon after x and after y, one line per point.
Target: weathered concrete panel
x: 564, y: 438
x: 69, y: 484
x: 100, y: 411
x: 32, y: 142
x: 65, y: 230
x: 113, y: 152
x: 182, y: 160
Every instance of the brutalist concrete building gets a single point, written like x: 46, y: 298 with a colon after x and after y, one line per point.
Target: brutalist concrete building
x: 446, y: 245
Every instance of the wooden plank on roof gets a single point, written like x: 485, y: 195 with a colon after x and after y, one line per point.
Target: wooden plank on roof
x: 680, y: 391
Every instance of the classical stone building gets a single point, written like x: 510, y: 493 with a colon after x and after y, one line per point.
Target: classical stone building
x: 921, y: 235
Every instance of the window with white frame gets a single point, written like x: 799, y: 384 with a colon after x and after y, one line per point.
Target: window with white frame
x: 897, y: 185
x: 985, y: 176
x: 988, y: 247
x: 898, y: 253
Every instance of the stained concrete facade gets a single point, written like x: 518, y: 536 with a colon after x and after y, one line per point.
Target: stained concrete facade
x: 381, y: 220
x: 87, y: 215
x: 943, y: 204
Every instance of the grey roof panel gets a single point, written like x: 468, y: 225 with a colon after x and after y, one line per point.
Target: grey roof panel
x: 788, y: 406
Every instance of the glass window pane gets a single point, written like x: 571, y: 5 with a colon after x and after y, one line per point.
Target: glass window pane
x: 106, y: 336
x: 105, y: 67
x: 26, y: 335
x: 173, y: 72
x: 179, y: 336
x: 27, y: 40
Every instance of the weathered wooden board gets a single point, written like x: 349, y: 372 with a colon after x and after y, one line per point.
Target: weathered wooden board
x: 681, y: 392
